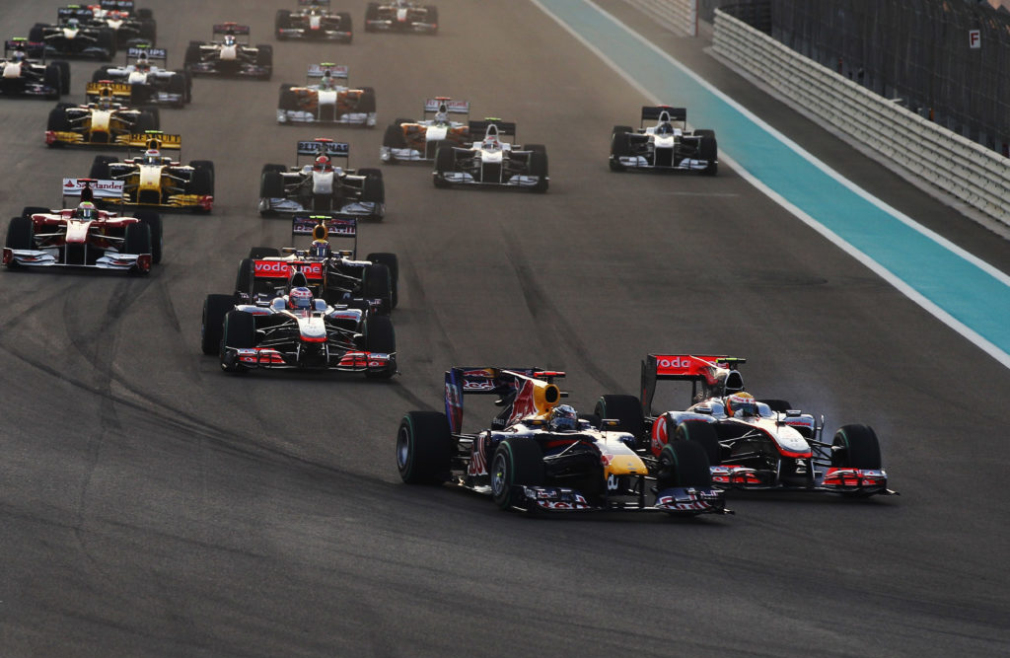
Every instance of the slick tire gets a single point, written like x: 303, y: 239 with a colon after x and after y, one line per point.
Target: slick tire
x: 377, y: 283
x: 58, y: 121
x: 100, y: 166
x: 239, y: 332
x: 683, y: 464
x: 153, y: 222
x: 445, y: 162
x: 538, y: 166
x: 626, y: 409
x: 264, y: 252
x: 244, y: 278
x: 393, y: 263
x: 702, y: 433
x: 424, y: 448
x: 393, y: 137
x: 856, y: 446
x: 516, y: 461
x: 20, y: 234
x: 709, y: 150
x: 215, y: 307
x: 374, y: 189
x: 380, y: 338
x: 271, y: 185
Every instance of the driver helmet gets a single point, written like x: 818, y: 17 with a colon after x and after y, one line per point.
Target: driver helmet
x: 564, y: 417
x: 322, y: 163
x: 664, y: 129
x: 229, y: 39
x: 86, y: 211
x: 490, y: 143
x: 152, y: 157
x: 319, y: 249
x: 300, y: 298
x: 327, y: 81
x: 442, y: 116
x: 104, y: 103
x: 18, y: 56
x: 73, y: 23
x: 741, y: 405
x: 143, y: 64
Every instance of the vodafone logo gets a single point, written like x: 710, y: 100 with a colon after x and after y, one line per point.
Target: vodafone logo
x: 673, y: 362
x: 279, y: 268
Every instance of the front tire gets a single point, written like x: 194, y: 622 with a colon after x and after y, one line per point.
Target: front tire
x: 424, y: 448
x: 517, y: 461
x: 683, y: 464
x: 215, y: 307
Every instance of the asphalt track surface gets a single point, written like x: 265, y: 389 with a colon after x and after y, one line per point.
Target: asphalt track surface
x: 153, y: 506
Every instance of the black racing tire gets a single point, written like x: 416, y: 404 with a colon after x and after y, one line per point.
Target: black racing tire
x: 64, y: 75
x: 279, y: 168
x: 371, y: 14
x: 703, y: 433
x: 145, y: 121
x: 137, y: 239
x: 58, y: 121
x: 377, y: 283
x: 366, y: 102
x: 703, y: 132
x: 264, y: 252
x: 102, y: 73
x: 244, y: 277
x: 287, y: 100
x: 856, y: 446
x: 202, y: 182
x: 178, y: 84
x: 265, y: 58
x: 538, y: 166
x: 153, y: 221
x: 393, y: 137
x: 516, y: 461
x: 107, y: 42
x: 424, y: 448
x: 28, y: 211
x: 393, y: 263
x: 192, y: 54
x: 619, y: 146
x: 146, y: 15
x: 683, y: 464
x: 53, y: 78
x: 709, y: 150
x: 445, y: 161
x: 271, y: 185
x: 100, y: 166
x: 346, y: 24
x: 20, y: 233
x: 374, y: 188
x: 380, y: 337
x: 149, y: 31
x: 239, y: 331
x: 626, y: 409
x: 778, y: 406
x: 215, y: 307
x: 282, y: 21
x: 37, y: 33
x: 433, y: 17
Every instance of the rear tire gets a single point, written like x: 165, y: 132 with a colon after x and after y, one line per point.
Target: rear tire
x: 244, y: 280
x: 424, y: 448
x: 623, y: 408
x: 393, y: 263
x: 264, y: 252
x: 215, y: 307
x: 517, y: 461
x: 377, y: 283
x: 100, y: 166
x: 374, y: 189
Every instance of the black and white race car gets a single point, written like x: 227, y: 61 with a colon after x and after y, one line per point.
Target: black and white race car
x: 130, y: 25
x: 75, y: 35
x: 229, y: 54
x: 313, y: 20
x: 22, y: 75
x: 539, y: 455
x: 401, y: 16
x: 321, y: 186
x: 491, y: 160
x: 151, y: 83
x: 665, y: 145
x: 752, y: 444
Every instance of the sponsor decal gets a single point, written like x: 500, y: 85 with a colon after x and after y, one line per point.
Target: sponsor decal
x: 659, y: 434
x: 478, y: 462
x: 524, y: 404
x: 279, y: 269
x: 102, y: 189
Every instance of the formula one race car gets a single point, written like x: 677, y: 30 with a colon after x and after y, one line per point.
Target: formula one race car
x: 157, y: 181
x: 492, y: 161
x: 321, y: 187
x: 293, y: 329
x: 401, y: 16
x: 150, y: 84
x: 327, y: 99
x: 406, y: 139
x: 334, y: 275
x: 314, y: 20
x: 751, y: 444
x: 21, y: 76
x: 103, y: 122
x: 131, y: 26
x: 229, y: 57
x: 74, y: 35
x: 540, y: 455
x: 667, y: 145
x: 84, y: 236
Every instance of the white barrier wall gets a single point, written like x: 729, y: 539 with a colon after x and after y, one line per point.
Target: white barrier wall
x: 933, y: 154
x: 681, y: 16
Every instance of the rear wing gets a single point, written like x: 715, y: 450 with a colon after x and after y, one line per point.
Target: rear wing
x: 433, y: 105
x: 522, y: 391
x: 505, y: 128
x: 231, y: 28
x: 324, y: 147
x: 154, y: 139
x: 655, y: 113
x: 133, y: 53
x: 320, y: 70
x: 74, y: 11
x: 105, y: 89
x: 337, y: 226
x: 97, y: 189
x: 313, y: 3
x: 31, y: 48
x: 116, y: 5
x: 712, y: 373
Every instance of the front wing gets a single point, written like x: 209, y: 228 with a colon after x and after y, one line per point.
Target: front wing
x: 345, y: 361
x: 366, y: 119
x: 368, y: 209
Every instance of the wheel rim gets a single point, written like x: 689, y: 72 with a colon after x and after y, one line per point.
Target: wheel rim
x: 499, y: 475
x: 402, y: 448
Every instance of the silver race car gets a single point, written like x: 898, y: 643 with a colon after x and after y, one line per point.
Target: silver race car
x: 665, y: 145
x: 491, y: 160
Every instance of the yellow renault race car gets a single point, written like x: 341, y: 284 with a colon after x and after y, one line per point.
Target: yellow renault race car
x: 154, y: 180
x: 106, y: 120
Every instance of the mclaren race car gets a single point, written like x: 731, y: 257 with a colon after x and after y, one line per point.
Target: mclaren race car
x: 407, y: 139
x: 228, y: 56
x: 333, y: 274
x: 492, y: 161
x: 150, y: 82
x: 401, y: 16
x: 313, y: 20
x: 751, y: 444
x: 131, y: 26
x: 75, y: 35
x: 84, y: 236
x: 539, y: 455
x: 22, y: 76
x: 666, y: 145
x: 104, y: 122
x: 294, y: 329
x: 327, y: 99
x: 153, y: 180
x: 321, y: 187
